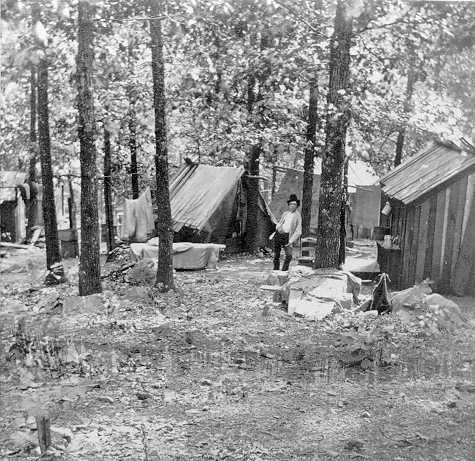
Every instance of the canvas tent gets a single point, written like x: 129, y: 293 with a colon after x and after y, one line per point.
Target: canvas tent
x: 209, y: 204
x: 363, y: 188
x: 12, y: 205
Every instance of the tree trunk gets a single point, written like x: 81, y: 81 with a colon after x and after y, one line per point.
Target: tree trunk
x: 132, y: 121
x: 33, y: 145
x: 72, y: 214
x: 165, y: 231
x: 338, y: 99
x: 89, y: 264
x: 253, y: 200
x: 307, y: 191
x: 53, y: 256
x: 342, y: 253
x: 253, y: 169
x: 32, y: 179
x: 108, y: 191
x: 407, y: 107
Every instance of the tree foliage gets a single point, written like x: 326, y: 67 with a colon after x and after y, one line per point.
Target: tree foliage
x: 211, y: 47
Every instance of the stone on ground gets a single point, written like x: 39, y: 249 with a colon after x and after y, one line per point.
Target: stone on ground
x: 410, y: 296
x: 313, y: 293
x: 317, y: 296
x: 353, y: 286
x: 431, y: 312
x: 300, y: 271
x: 277, y: 278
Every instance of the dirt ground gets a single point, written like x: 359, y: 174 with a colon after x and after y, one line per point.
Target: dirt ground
x: 215, y: 372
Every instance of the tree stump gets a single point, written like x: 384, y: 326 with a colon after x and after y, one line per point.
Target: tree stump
x: 44, y: 432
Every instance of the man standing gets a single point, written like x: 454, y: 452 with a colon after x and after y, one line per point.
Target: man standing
x: 288, y: 231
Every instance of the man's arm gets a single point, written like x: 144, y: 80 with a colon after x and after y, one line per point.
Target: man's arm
x: 298, y: 230
x: 281, y: 222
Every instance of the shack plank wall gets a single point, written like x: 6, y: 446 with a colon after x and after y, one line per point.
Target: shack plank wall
x: 440, y: 244
x: 422, y: 241
x: 463, y: 278
x: 434, y: 214
x: 399, y: 222
x: 462, y: 186
x: 415, y: 239
x: 449, y: 236
x: 406, y: 253
x: 430, y: 237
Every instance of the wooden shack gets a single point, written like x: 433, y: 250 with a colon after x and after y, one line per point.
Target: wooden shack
x: 431, y: 219
x: 12, y: 206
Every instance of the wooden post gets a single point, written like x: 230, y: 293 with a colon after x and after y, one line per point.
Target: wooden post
x: 44, y: 432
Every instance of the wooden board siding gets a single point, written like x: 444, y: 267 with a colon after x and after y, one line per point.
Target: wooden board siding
x: 415, y: 242
x: 449, y: 237
x: 430, y: 238
x: 439, y: 243
x: 462, y: 186
x: 412, y: 256
x: 422, y: 241
x: 399, y: 225
x: 463, y: 278
x: 406, y: 250
x: 469, y: 198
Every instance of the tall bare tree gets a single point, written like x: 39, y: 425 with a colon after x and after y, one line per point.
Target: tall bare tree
x: 309, y: 159
x: 165, y: 231
x: 253, y: 169
x: 89, y: 263
x: 53, y: 256
x: 108, y: 189
x: 411, y: 80
x: 132, y: 120
x: 32, y: 177
x: 338, y: 116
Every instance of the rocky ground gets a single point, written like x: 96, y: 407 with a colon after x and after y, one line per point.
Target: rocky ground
x: 212, y: 372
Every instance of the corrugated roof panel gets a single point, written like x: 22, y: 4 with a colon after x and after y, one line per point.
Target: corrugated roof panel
x: 425, y: 171
x: 407, y: 163
x: 416, y: 176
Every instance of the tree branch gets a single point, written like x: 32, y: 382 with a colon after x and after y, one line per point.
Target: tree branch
x: 299, y: 17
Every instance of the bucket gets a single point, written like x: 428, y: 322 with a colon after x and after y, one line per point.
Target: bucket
x: 387, y: 243
x: 379, y: 232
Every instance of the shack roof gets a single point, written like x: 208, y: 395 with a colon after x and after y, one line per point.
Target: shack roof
x: 9, y: 180
x: 433, y: 166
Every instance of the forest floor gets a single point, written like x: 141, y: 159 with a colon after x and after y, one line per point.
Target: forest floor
x: 211, y: 373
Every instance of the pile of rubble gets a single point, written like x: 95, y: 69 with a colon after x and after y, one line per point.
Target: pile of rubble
x: 325, y: 293
x: 314, y: 294
x: 419, y: 307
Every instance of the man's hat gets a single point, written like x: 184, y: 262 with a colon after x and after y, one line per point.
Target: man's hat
x: 293, y: 198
